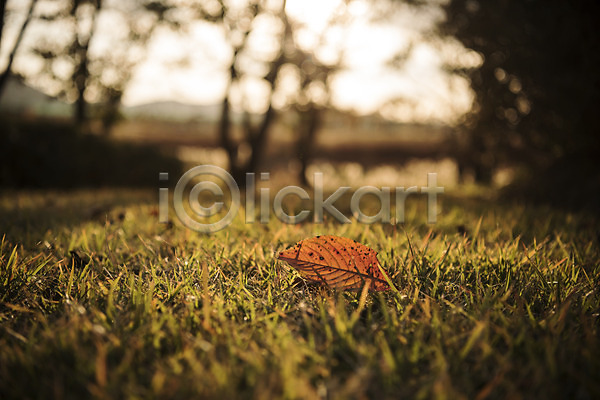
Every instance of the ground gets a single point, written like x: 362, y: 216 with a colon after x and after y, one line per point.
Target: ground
x: 495, y: 300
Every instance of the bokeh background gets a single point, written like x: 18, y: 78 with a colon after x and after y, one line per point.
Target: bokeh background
x: 502, y: 95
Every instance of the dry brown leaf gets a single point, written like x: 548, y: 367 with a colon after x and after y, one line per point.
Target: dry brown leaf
x: 337, y: 262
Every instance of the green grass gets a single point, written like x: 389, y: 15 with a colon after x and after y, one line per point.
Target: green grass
x: 98, y: 299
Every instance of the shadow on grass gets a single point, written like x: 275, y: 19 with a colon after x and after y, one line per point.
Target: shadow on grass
x: 27, y: 216
x: 49, y: 154
x: 572, y: 184
x: 47, y: 170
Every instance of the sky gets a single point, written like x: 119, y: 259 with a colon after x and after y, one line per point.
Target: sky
x: 189, y: 66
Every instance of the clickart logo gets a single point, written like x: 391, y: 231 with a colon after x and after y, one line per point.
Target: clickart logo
x: 203, y: 178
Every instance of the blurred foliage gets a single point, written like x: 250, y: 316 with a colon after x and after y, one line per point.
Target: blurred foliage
x: 538, y: 89
x: 48, y: 154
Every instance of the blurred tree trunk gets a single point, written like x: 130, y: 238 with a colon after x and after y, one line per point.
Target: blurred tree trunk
x: 258, y: 136
x: 2, y: 11
x: 11, y: 57
x: 81, y: 73
x: 254, y: 137
x: 307, y: 132
x: 225, y: 126
x: 110, y: 114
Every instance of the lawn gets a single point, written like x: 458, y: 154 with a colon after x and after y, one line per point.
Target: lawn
x: 97, y: 299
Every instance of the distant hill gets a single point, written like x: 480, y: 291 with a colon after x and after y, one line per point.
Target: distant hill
x: 19, y: 98
x: 174, y: 111
x: 22, y: 99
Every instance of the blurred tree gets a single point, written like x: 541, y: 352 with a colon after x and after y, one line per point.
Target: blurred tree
x: 7, y: 71
x: 247, y: 66
x: 66, y: 60
x: 83, y: 63
x: 79, y: 50
x: 2, y: 11
x: 538, y: 89
x: 112, y: 69
x: 311, y: 98
x: 251, y: 65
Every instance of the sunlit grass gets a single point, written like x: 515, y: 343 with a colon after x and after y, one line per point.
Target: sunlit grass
x: 97, y: 298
